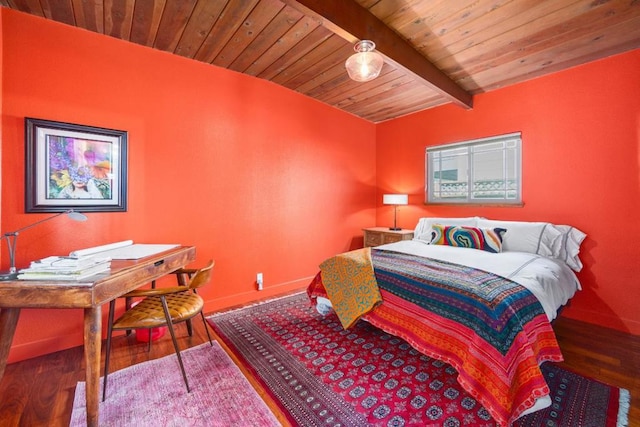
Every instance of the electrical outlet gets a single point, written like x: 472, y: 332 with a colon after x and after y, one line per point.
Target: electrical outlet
x: 259, y: 281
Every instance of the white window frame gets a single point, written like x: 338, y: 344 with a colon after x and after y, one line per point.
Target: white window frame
x: 509, y: 191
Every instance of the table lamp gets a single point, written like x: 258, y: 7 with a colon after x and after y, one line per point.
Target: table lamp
x: 12, y: 237
x: 395, y: 200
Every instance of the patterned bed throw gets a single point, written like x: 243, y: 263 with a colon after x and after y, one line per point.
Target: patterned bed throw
x: 492, y: 330
x: 351, y: 285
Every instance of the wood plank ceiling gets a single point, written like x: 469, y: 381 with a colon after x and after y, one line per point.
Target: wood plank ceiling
x: 436, y: 51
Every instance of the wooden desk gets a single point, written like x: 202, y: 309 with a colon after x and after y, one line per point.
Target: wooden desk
x: 124, y: 276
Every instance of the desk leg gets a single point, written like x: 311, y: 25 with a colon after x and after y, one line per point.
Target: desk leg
x: 92, y: 342
x: 8, y: 322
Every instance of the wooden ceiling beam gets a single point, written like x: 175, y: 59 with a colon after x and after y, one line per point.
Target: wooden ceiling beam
x: 353, y: 22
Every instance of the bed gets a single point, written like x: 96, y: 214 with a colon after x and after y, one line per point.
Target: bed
x: 476, y: 293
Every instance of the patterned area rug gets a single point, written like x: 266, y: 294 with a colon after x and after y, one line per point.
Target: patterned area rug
x: 153, y: 394
x: 322, y: 375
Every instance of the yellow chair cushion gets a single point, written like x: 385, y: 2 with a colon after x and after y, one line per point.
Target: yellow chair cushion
x: 148, y: 313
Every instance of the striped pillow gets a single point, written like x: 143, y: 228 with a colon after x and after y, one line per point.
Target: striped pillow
x: 486, y: 239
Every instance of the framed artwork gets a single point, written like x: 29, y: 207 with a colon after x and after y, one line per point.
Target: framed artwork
x: 78, y: 167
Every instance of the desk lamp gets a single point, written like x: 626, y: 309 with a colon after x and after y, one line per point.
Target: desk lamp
x: 12, y: 237
x: 395, y: 200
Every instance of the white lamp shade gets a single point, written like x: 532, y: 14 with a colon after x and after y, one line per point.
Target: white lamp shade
x: 395, y: 199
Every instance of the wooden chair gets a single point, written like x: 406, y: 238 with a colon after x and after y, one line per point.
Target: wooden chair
x: 162, y: 307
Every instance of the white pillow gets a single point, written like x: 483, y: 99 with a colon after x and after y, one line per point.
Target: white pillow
x: 540, y: 238
x: 570, y: 247
x: 423, y: 229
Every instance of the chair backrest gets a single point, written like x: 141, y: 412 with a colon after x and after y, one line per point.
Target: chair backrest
x: 202, y: 276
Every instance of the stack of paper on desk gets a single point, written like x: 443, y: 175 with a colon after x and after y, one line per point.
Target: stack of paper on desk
x: 65, y: 268
x: 84, y: 263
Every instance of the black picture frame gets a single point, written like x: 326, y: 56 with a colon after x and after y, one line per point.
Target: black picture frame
x: 72, y: 166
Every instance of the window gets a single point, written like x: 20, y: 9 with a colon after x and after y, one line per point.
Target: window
x: 482, y: 171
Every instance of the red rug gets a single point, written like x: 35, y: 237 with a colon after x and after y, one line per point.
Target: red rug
x: 321, y: 374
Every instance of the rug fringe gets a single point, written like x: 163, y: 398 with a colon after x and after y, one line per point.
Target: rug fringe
x: 219, y: 313
x: 623, y: 411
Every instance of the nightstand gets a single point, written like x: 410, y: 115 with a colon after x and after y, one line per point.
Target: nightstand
x: 375, y: 236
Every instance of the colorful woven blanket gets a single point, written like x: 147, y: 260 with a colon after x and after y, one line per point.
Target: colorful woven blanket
x: 350, y: 284
x: 492, y: 330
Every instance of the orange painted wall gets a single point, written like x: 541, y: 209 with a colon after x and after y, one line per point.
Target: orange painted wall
x: 255, y: 176
x: 581, y: 140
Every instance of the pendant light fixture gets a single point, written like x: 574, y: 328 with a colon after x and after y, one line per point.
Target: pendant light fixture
x: 365, y: 64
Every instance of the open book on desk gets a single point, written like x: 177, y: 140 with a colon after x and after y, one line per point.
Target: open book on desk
x: 66, y: 263
x: 44, y: 271
x: 63, y: 275
x: 123, y: 250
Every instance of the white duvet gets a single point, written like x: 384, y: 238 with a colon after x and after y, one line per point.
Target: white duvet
x: 549, y: 279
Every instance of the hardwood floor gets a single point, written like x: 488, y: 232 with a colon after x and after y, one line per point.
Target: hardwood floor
x: 608, y: 355
x: 39, y: 391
